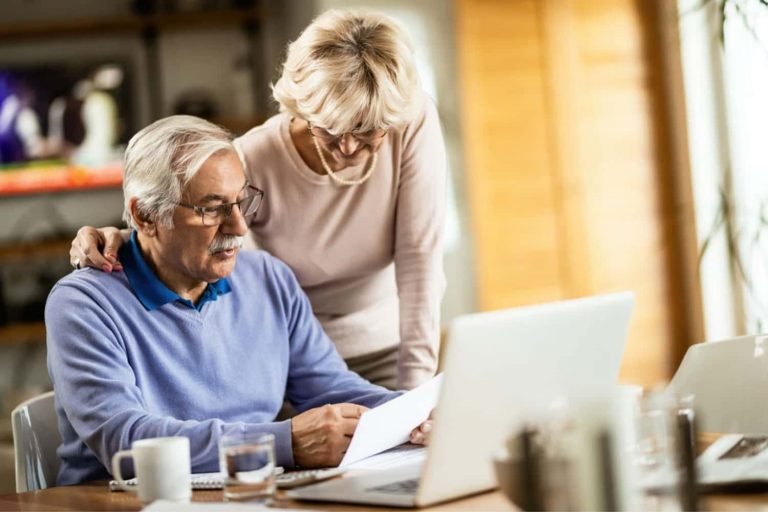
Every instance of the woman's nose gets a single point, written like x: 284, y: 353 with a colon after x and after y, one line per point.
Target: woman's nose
x: 348, y: 144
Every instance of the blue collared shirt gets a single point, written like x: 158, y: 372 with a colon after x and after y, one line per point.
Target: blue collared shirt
x: 151, y: 292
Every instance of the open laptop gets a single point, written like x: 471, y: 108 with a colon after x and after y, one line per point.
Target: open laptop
x: 728, y: 381
x: 499, y: 368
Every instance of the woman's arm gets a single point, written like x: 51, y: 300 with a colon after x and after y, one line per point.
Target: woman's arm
x: 419, y: 226
x: 97, y: 247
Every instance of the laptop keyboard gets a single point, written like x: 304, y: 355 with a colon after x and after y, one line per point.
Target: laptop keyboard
x: 401, y: 487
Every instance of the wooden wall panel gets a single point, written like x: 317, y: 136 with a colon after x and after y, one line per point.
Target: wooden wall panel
x: 565, y: 165
x: 623, y: 210
x: 509, y: 172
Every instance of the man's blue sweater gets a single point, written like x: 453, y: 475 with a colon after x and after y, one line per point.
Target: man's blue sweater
x: 129, y: 359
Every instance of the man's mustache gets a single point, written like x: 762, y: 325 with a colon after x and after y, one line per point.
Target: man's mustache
x: 224, y: 243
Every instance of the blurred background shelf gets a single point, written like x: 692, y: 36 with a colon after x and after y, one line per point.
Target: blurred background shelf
x: 25, y: 251
x: 20, y: 260
x: 128, y: 24
x: 22, y: 334
x: 60, y: 177
x: 238, y: 125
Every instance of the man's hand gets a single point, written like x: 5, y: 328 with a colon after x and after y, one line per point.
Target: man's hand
x: 321, y: 436
x: 86, y: 247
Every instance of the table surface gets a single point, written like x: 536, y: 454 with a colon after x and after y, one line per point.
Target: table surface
x: 96, y: 496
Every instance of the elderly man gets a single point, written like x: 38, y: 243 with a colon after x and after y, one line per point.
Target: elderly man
x: 175, y: 347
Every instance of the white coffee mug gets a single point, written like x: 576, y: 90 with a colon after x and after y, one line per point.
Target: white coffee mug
x: 162, y: 469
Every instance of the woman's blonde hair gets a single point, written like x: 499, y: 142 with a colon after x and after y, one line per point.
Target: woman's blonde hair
x: 350, y: 71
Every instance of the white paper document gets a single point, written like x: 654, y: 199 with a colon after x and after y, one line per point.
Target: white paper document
x: 390, y: 424
x: 402, y: 455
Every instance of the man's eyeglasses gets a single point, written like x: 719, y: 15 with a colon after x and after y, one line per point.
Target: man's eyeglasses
x: 214, y: 215
x: 367, y: 138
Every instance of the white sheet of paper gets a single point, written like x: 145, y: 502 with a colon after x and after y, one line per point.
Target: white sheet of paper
x: 402, y: 455
x: 390, y: 424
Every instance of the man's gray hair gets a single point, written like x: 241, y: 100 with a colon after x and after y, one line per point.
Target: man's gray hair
x: 161, y: 159
x: 350, y: 71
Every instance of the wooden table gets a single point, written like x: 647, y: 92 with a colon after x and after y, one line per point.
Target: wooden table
x: 96, y: 496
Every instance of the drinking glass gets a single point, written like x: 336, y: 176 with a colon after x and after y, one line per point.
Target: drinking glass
x: 247, y: 462
x: 656, y: 465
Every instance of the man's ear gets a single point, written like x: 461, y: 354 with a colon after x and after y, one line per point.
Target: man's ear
x: 144, y: 223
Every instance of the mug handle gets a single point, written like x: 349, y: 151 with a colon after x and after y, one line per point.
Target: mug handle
x: 116, y: 459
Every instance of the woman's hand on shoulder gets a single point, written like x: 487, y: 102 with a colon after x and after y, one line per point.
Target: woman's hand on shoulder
x: 97, y: 248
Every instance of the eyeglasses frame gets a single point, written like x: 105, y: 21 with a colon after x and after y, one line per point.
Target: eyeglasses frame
x: 329, y: 138
x: 227, y: 207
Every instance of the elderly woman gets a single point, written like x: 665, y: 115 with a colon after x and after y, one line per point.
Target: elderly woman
x: 353, y: 169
